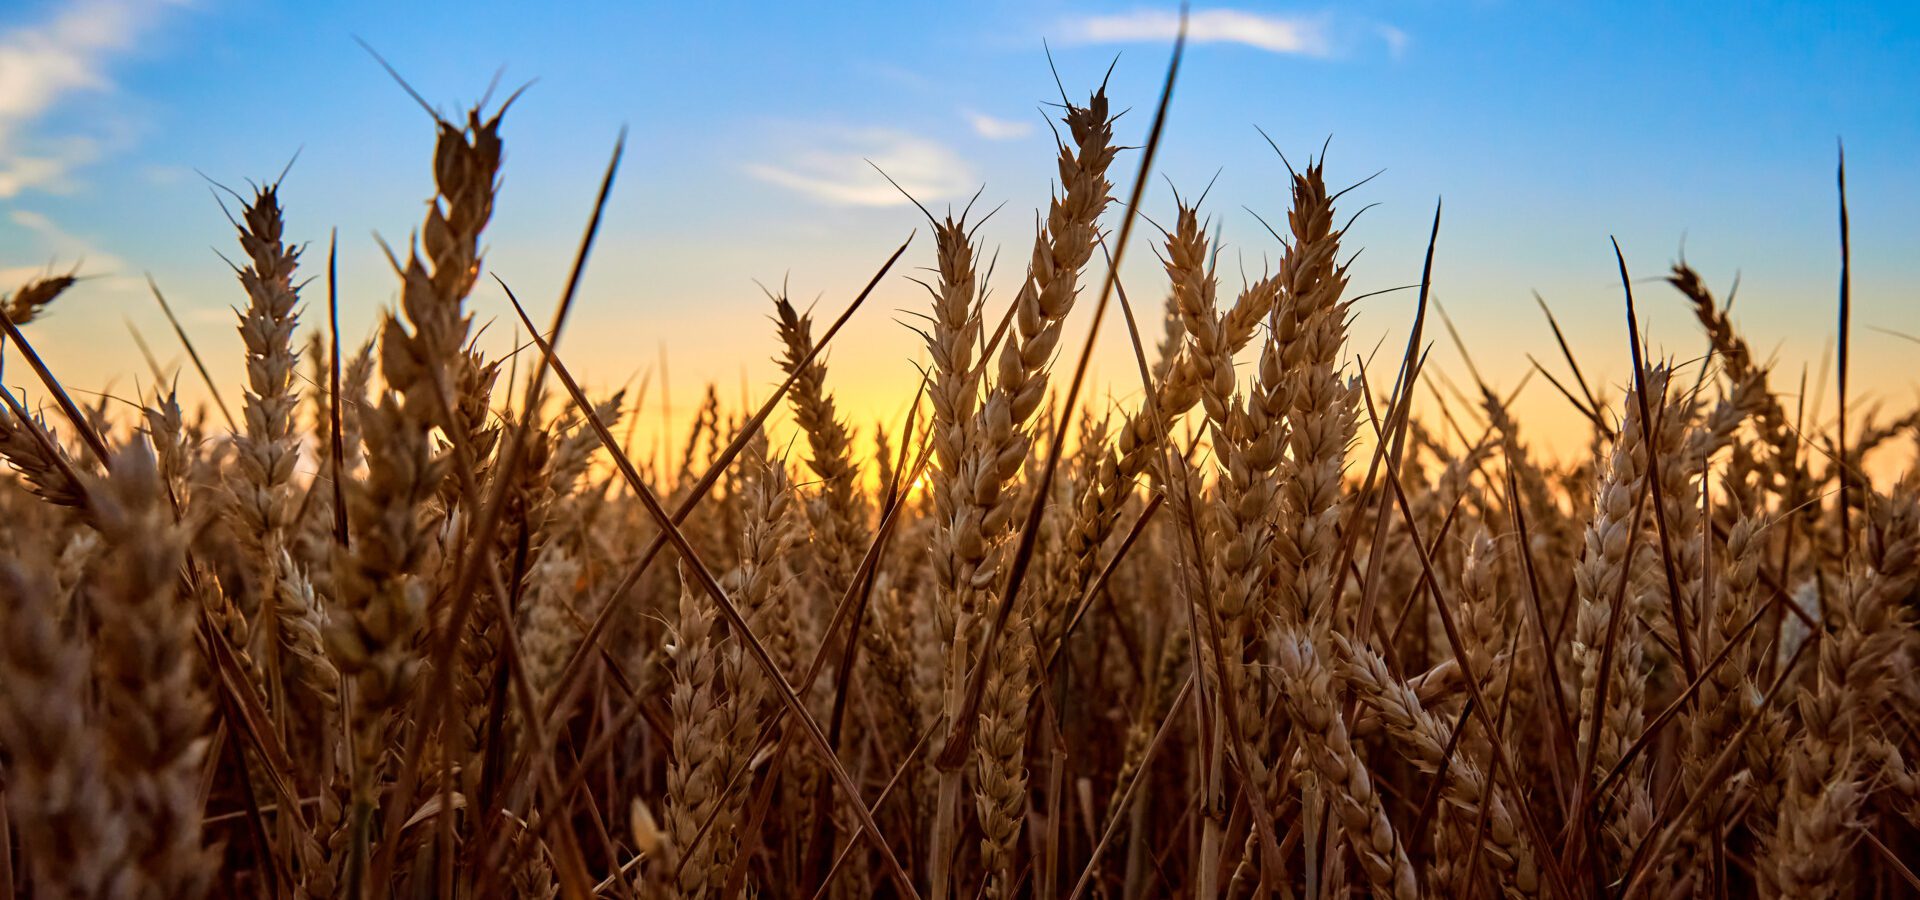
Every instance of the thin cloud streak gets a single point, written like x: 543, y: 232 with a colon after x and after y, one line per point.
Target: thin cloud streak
x: 66, y: 245
x: 1397, y: 40
x: 997, y: 129
x: 1294, y: 35
x: 63, y: 251
x: 839, y: 170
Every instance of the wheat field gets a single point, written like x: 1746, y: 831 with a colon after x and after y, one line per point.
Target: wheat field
x: 404, y: 620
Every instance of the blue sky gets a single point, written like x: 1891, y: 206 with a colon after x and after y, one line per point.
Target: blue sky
x: 1546, y: 127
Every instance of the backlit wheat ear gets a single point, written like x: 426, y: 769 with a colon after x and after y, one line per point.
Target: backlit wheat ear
x: 31, y: 299
x: 702, y: 762
x: 302, y: 683
x: 152, y: 713
x: 953, y: 390
x: 72, y: 839
x: 444, y: 384
x: 1466, y: 795
x: 1248, y: 433
x: 1605, y: 566
x: 269, y: 449
x: 835, y: 511
x: 548, y: 626
x: 1309, y: 325
x: 1749, y: 380
x: 39, y: 458
x: 1040, y: 310
x: 1307, y: 688
x: 381, y: 602
x: 1821, y: 808
x: 1715, y: 720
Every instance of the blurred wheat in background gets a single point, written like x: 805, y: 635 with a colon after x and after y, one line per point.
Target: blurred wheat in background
x: 1269, y: 632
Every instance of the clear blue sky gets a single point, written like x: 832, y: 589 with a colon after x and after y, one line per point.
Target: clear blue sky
x: 1547, y: 128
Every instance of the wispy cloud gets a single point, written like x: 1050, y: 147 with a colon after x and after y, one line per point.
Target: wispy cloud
x: 835, y: 170
x: 45, y: 62
x: 68, y: 249
x: 997, y: 129
x: 1396, y: 39
x: 63, y: 243
x: 1303, y: 35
